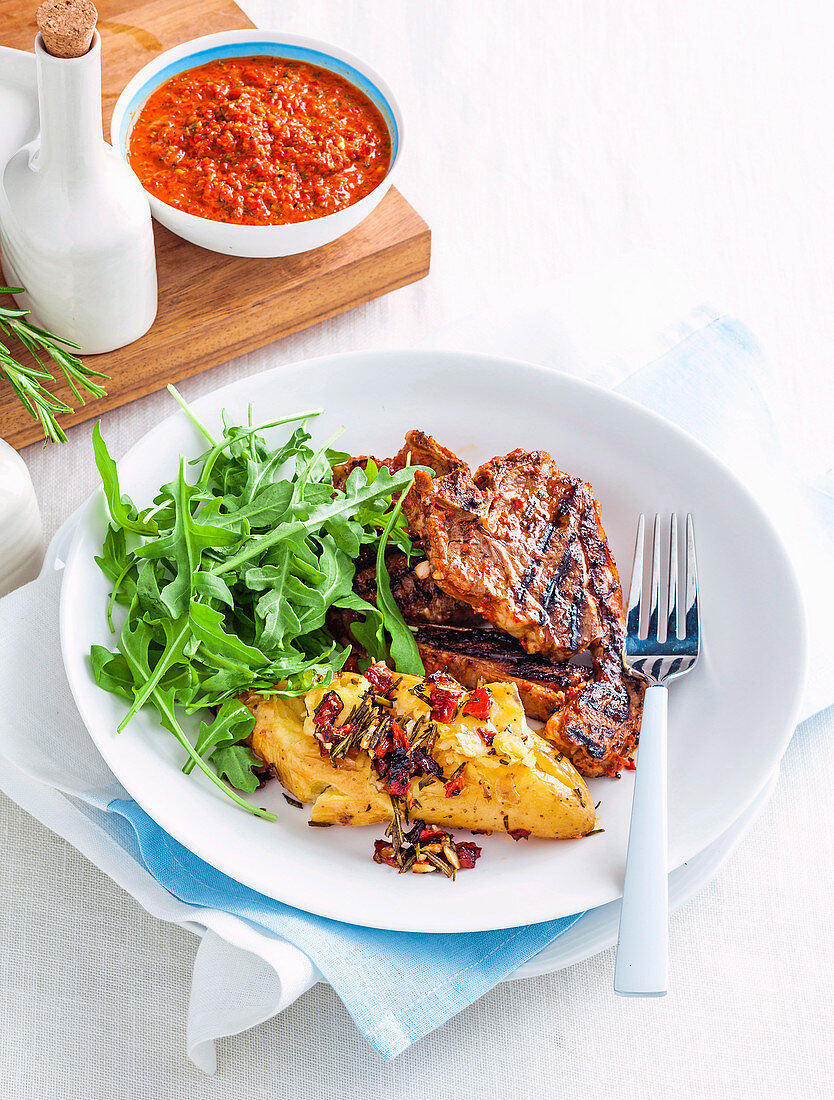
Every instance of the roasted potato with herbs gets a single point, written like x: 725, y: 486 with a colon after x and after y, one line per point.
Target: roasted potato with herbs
x: 497, y: 773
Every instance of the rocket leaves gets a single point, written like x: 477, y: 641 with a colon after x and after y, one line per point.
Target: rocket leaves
x: 404, y: 650
x: 226, y: 580
x: 121, y: 508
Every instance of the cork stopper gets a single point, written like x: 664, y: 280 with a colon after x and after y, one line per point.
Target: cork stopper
x: 67, y: 26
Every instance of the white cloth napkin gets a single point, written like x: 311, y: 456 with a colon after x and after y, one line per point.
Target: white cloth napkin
x: 617, y: 328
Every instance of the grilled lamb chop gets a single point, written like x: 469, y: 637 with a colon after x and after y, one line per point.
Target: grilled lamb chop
x: 415, y: 593
x: 592, y: 715
x: 425, y: 451
x: 419, y: 449
x: 486, y: 656
x: 521, y: 542
x: 598, y: 727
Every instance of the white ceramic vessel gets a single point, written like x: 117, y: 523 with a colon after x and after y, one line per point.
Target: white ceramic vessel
x: 75, y: 226
x: 21, y: 536
x: 260, y: 240
x: 729, y: 722
x: 18, y: 100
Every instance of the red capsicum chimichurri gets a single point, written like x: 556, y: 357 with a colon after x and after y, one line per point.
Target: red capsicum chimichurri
x: 259, y: 141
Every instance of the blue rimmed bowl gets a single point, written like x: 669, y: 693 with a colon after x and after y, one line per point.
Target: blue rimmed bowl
x: 260, y: 240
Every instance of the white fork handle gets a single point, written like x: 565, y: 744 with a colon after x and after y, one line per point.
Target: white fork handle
x: 642, y: 947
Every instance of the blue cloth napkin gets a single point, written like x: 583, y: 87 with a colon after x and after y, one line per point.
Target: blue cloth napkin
x: 397, y: 986
x: 400, y: 986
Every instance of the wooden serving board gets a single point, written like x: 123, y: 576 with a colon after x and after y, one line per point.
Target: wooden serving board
x: 214, y: 307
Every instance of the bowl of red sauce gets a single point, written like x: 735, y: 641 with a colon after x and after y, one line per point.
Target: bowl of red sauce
x: 258, y: 144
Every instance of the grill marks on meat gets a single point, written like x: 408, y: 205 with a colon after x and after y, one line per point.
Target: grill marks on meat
x: 487, y: 656
x: 592, y: 714
x: 598, y: 726
x: 522, y: 543
x: 420, y: 449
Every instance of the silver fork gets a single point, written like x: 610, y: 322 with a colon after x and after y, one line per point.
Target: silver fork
x: 659, y: 655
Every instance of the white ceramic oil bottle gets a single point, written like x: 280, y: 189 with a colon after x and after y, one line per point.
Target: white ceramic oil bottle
x: 75, y: 225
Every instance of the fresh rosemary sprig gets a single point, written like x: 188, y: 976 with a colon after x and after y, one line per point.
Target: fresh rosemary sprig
x: 29, y: 383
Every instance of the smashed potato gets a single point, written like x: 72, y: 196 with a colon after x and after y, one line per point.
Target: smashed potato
x: 495, y: 773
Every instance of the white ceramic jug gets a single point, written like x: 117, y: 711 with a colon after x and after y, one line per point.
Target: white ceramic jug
x: 75, y: 225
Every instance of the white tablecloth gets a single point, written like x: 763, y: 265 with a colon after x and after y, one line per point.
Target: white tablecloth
x: 543, y: 137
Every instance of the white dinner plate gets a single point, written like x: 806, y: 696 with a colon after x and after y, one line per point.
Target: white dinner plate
x: 599, y: 928
x: 594, y: 932
x: 730, y: 720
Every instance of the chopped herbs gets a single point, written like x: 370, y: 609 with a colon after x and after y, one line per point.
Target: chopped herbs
x: 423, y: 850
x: 399, y: 752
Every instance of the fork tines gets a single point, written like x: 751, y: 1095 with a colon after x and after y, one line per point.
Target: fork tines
x: 670, y: 632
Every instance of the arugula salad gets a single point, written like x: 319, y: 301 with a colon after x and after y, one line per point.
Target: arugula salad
x: 224, y: 582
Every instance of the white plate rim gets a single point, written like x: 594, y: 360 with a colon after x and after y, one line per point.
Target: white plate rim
x: 594, y: 932
x: 597, y: 929
x: 342, y: 910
